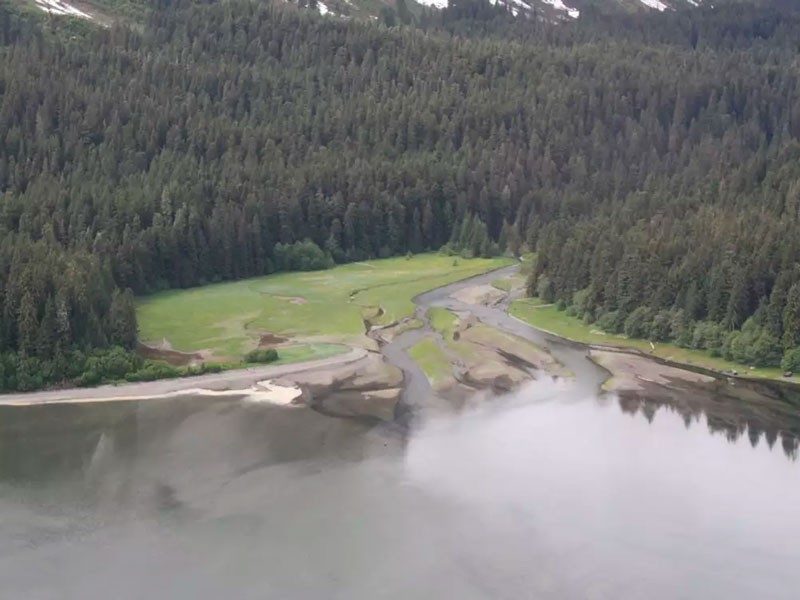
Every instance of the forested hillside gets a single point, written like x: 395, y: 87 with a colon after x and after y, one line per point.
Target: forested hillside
x: 654, y: 164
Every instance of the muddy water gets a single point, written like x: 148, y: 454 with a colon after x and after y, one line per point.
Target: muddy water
x: 550, y: 492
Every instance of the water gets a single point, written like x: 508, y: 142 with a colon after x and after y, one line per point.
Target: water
x: 549, y: 492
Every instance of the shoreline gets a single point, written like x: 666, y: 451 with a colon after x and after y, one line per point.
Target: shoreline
x: 233, y: 380
x: 245, y: 381
x: 668, y: 362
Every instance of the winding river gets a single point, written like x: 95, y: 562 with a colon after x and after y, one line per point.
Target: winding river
x: 553, y: 491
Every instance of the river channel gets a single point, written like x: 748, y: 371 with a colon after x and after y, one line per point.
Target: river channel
x: 553, y: 491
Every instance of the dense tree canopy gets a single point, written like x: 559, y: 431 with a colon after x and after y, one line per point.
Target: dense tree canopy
x: 653, y: 164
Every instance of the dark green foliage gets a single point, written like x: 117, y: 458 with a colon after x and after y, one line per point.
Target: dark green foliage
x: 471, y: 239
x: 24, y: 373
x: 791, y: 360
x: 752, y: 345
x: 263, y: 355
x: 153, y: 371
x: 639, y: 323
x: 661, y: 326
x: 650, y: 162
x: 301, y: 256
x: 612, y: 322
x: 544, y: 288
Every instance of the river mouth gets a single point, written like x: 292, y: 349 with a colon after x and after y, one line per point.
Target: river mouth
x: 546, y: 492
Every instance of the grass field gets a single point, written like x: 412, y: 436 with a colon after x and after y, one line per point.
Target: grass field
x: 549, y: 318
x: 227, y: 319
x: 432, y: 360
x: 443, y: 321
x: 305, y: 352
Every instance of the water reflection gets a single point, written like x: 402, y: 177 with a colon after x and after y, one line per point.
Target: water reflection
x: 726, y: 415
x: 545, y: 493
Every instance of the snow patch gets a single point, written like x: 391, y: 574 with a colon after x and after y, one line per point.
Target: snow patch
x: 58, y: 7
x: 323, y: 10
x: 559, y: 5
x: 657, y: 4
x: 521, y: 4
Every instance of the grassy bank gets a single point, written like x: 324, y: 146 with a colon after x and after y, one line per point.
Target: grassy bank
x: 443, y: 321
x: 227, y: 319
x: 549, y: 318
x: 432, y: 360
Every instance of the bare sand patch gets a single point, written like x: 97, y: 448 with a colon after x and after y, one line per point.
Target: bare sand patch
x: 266, y: 391
x: 496, y: 375
x: 293, y: 299
x: 633, y: 372
x: 369, y: 387
x: 165, y: 352
x: 487, y: 295
x: 511, y: 348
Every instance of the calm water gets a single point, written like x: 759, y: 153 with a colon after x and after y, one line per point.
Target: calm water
x: 543, y: 494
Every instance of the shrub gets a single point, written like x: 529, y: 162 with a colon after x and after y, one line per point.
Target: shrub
x: 661, y: 326
x: 611, y: 322
x: 545, y: 289
x: 264, y: 355
x: 638, y: 322
x: 580, y: 300
x: 681, y: 329
x: 791, y: 360
x: 708, y: 336
x: 301, y: 256
x: 153, y: 370
x: 766, y: 350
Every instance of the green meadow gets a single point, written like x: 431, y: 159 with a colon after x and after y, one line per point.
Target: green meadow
x: 432, y: 360
x: 227, y: 319
x: 443, y: 321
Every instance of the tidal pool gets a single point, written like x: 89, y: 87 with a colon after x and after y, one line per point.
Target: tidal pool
x: 545, y: 493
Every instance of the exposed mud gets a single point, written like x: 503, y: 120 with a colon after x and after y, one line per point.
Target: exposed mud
x: 270, y: 340
x: 169, y: 355
x: 368, y: 388
x: 485, y: 294
x: 634, y: 372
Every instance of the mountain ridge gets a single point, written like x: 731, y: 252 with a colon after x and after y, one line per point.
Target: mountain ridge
x: 105, y: 12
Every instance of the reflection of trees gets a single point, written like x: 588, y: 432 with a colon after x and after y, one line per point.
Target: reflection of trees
x: 790, y: 443
x: 731, y: 417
